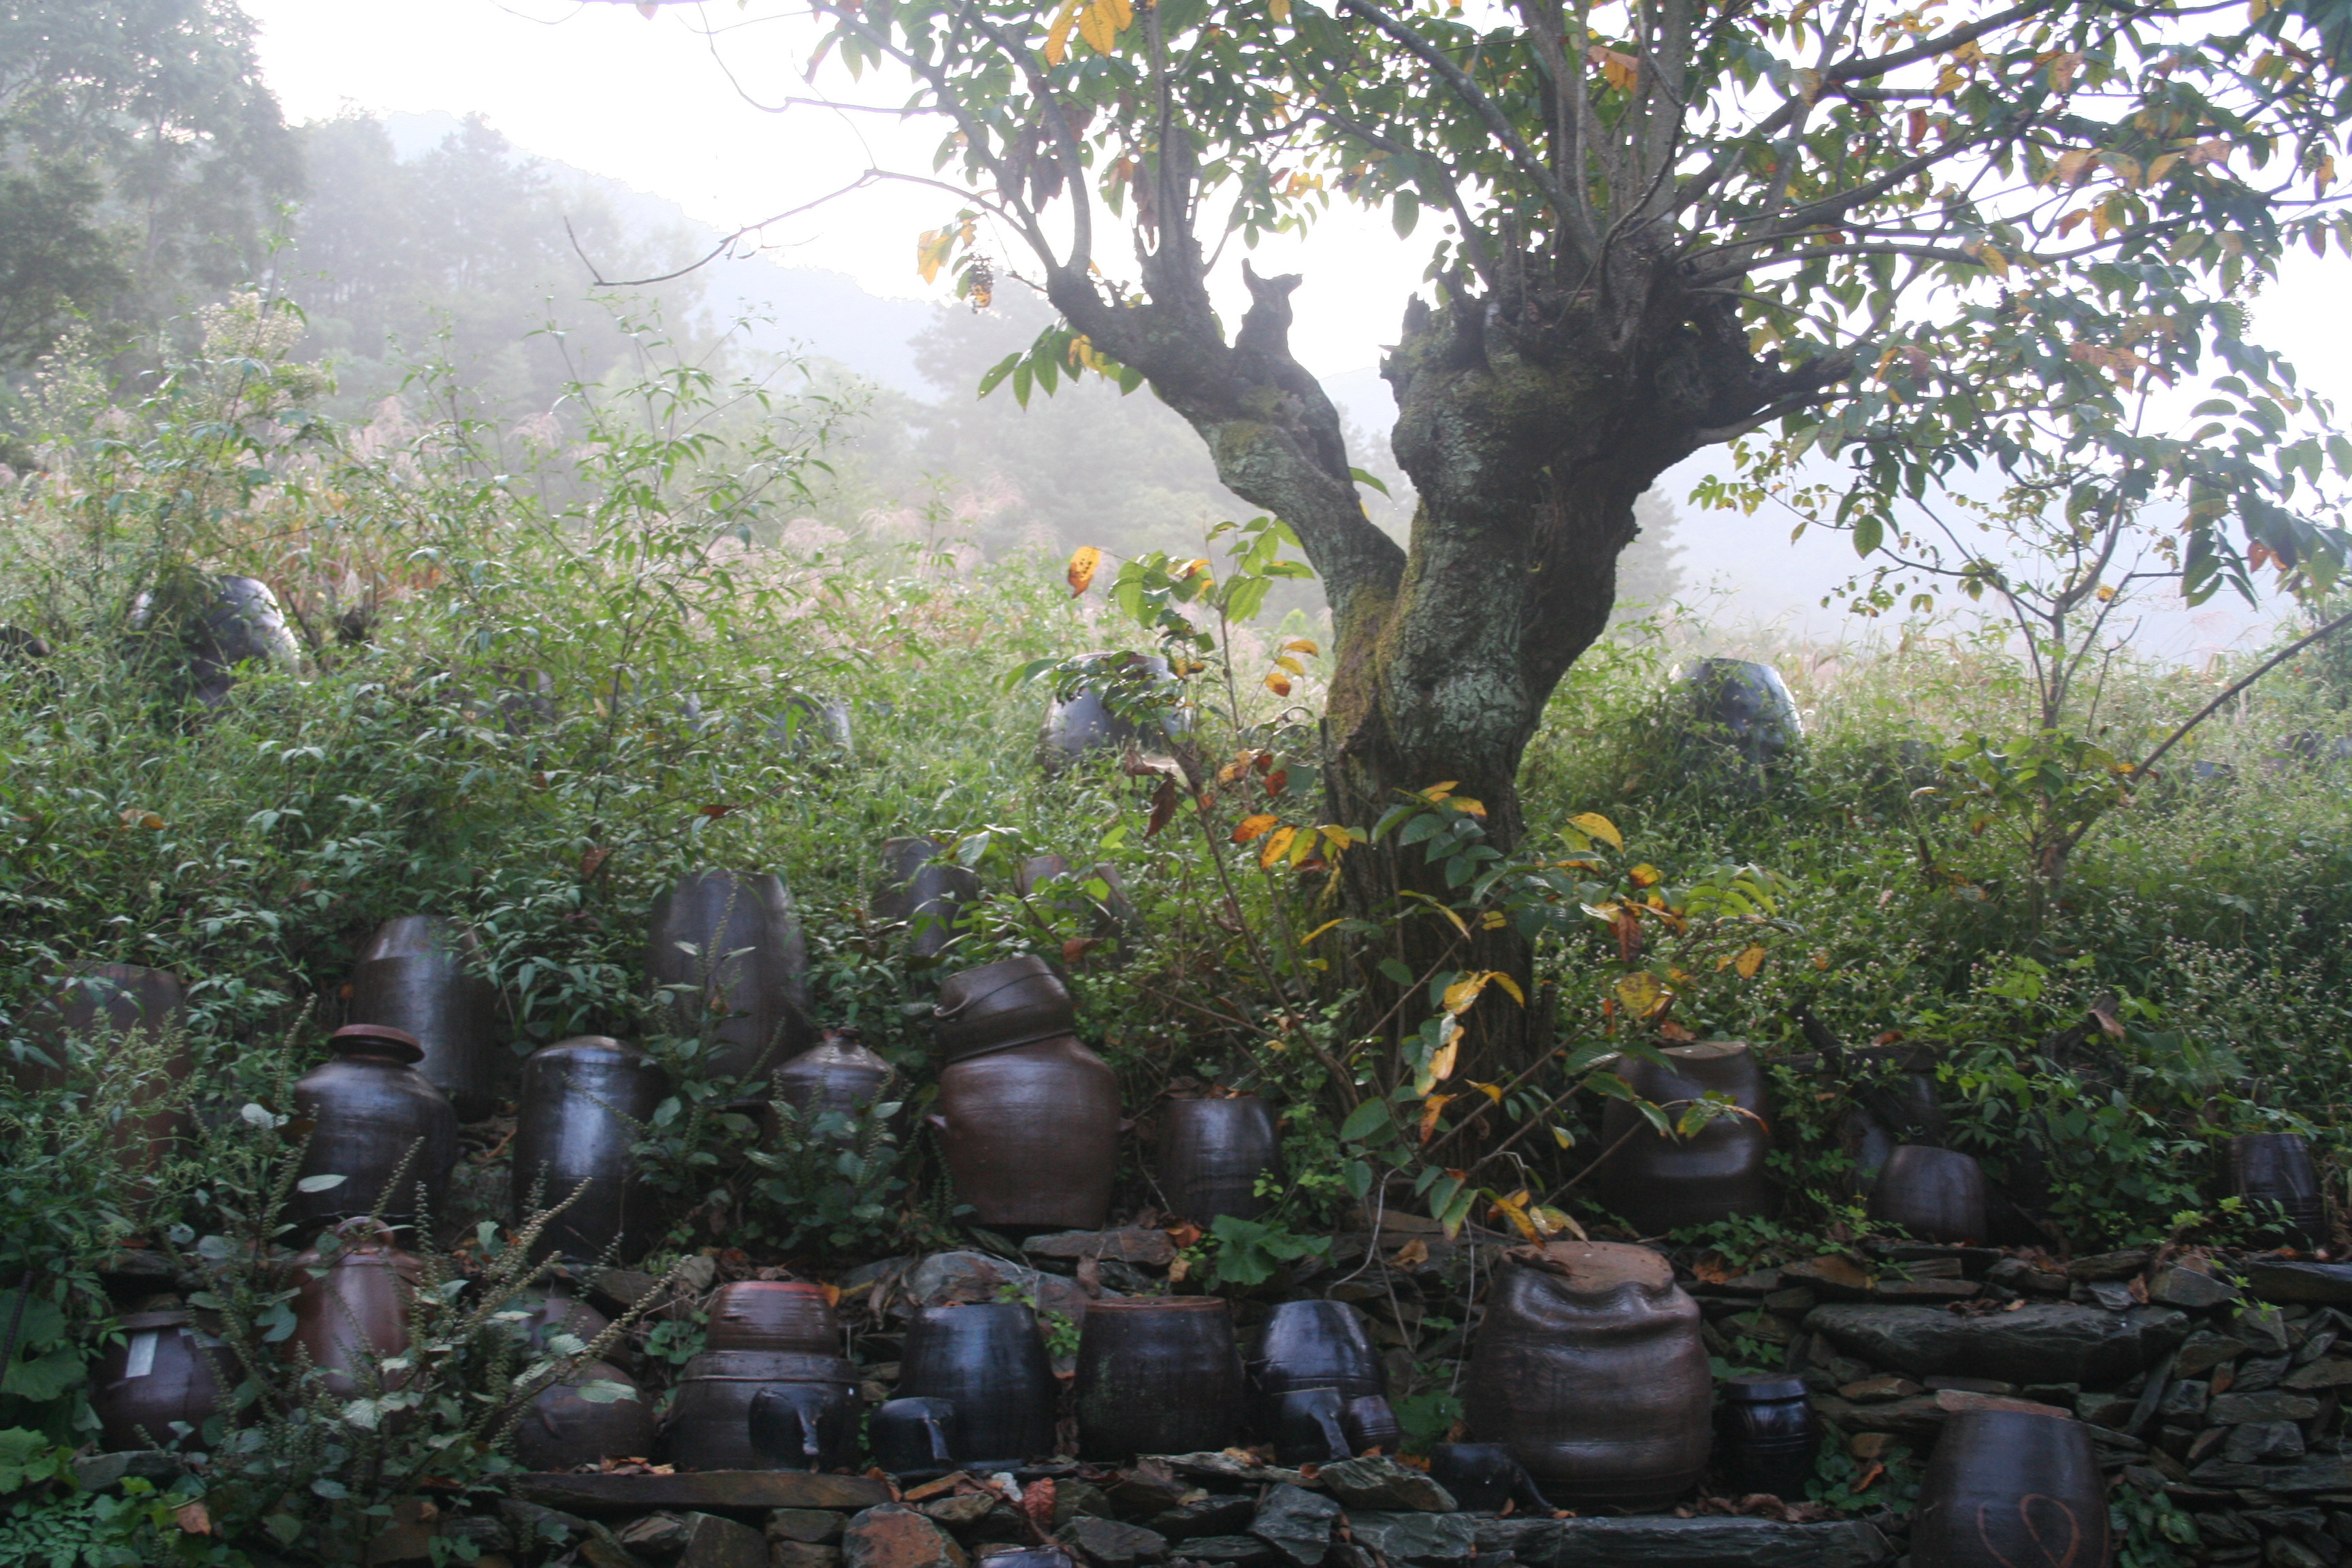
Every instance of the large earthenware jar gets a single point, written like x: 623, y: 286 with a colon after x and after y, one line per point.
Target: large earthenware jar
x: 1211, y: 1153
x: 2273, y: 1173
x: 1050, y: 876
x: 710, y: 1423
x: 242, y: 625
x: 1745, y: 708
x: 1766, y: 1436
x: 1936, y: 1194
x: 1157, y: 1375
x: 1589, y: 1365
x: 731, y: 944
x: 923, y: 895
x: 1661, y: 1183
x: 2009, y: 1489
x: 417, y: 973
x: 1086, y: 722
x: 1031, y: 1135
x: 987, y: 1362
x: 585, y: 1101
x: 378, y: 1123
x: 838, y: 1076
x: 350, y: 1306
x: 1315, y: 1344
x: 1010, y: 1002
x: 562, y: 1428
x: 162, y: 1370
x: 773, y: 1315
x: 144, y: 1011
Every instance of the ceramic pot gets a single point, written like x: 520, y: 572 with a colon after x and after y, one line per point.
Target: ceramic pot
x: 1157, y: 1375
x: 1662, y: 1184
x: 1936, y: 1194
x: 2272, y: 1172
x: 417, y: 973
x: 909, y: 1437
x: 582, y: 1103
x: 242, y: 625
x: 1211, y: 1153
x: 350, y: 1306
x: 1031, y: 1135
x: 379, y: 1125
x: 924, y: 896
x: 773, y: 1315
x: 1480, y: 1477
x: 2008, y: 1488
x: 1307, y: 1428
x: 1316, y: 1344
x: 1766, y: 1436
x: 560, y: 1430
x: 731, y: 944
x: 836, y: 1077
x: 163, y: 1370
x: 552, y: 1312
x: 1371, y: 1421
x: 806, y: 1425
x: 1014, y: 1001
x: 146, y: 1012
x: 708, y: 1426
x: 987, y: 1363
x: 1589, y: 1365
x: 1049, y: 877
x: 1084, y: 721
x: 805, y: 726
x: 1745, y: 709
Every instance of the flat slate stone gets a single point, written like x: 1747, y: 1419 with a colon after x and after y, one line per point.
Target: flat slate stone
x: 2190, y: 1288
x: 2326, y: 1283
x: 1295, y: 1522
x: 1237, y: 1549
x: 1416, y: 1536
x: 1132, y: 1244
x: 1380, y: 1482
x: 1705, y: 1542
x: 2050, y: 1341
x: 2333, y: 1371
x: 2324, y: 1474
x: 707, y: 1490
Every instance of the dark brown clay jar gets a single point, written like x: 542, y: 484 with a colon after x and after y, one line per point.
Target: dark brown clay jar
x: 2273, y: 1172
x: 1211, y: 1153
x: 773, y: 1315
x: 552, y: 1312
x: 141, y: 1007
x: 1766, y: 1436
x: 986, y: 1362
x: 762, y: 992
x: 1316, y: 1344
x: 925, y: 897
x: 1031, y: 1135
x: 1589, y: 1363
x: 708, y: 1425
x: 380, y: 1125
x: 417, y: 973
x: 1662, y: 1184
x: 1010, y: 1002
x: 1936, y: 1194
x: 1113, y: 915
x: 560, y: 1430
x: 2009, y: 1489
x: 162, y: 1370
x: 584, y: 1101
x: 1157, y: 1375
x: 353, y: 1305
x: 836, y: 1076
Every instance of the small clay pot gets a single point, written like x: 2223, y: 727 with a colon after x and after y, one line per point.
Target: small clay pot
x: 835, y: 1077
x: 1480, y: 1477
x: 1661, y: 1183
x: 1157, y: 1375
x: 378, y: 1123
x: 1212, y: 1153
x: 1031, y: 1135
x: 351, y: 1307
x: 1371, y: 1421
x: 1766, y: 1436
x: 1014, y: 1002
x: 773, y: 1315
x: 164, y: 1371
x: 1936, y: 1194
x: 560, y: 1430
x: 708, y: 1426
x: 2008, y: 1488
x: 987, y: 1364
x: 1315, y: 1344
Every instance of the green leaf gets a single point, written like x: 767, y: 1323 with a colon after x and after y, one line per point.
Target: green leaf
x: 1361, y: 478
x: 1408, y: 213
x: 997, y: 372
x: 1364, y: 1121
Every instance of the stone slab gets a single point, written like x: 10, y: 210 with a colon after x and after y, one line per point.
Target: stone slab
x: 2050, y: 1342
x: 1705, y: 1542
x: 2282, y: 1281
x: 2333, y: 1474
x: 720, y: 1491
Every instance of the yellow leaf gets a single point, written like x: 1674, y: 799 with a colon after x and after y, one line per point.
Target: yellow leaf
x: 1750, y: 962
x: 1643, y: 994
x: 1560, y: 1136
x: 931, y: 252
x: 1284, y: 661
x: 1438, y: 792
x: 1441, y: 1066
x: 1278, y: 683
x: 1464, y: 803
x: 1278, y: 844
x: 1097, y: 26
x: 1251, y: 827
x: 1302, y: 847
x: 2072, y: 166
x: 1318, y: 930
x: 1281, y: 9
x: 1492, y: 919
x: 1411, y: 1255
x: 1428, y: 1111
x: 1083, y: 562
x: 1600, y: 827
x: 1300, y: 645
x: 1465, y: 990
x: 1514, y: 1209
x: 1509, y: 985
x: 1339, y: 837
x: 1995, y: 262
x: 1644, y: 875
x: 1493, y: 1091
x: 1549, y: 1220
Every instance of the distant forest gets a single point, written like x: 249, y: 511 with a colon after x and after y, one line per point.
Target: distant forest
x: 146, y: 170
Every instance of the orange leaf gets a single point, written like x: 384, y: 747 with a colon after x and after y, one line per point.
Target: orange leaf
x: 1278, y: 683
x: 1277, y: 845
x: 1278, y: 781
x: 1083, y: 562
x: 1253, y: 828
x: 594, y: 862
x: 1076, y: 948
x: 1429, y: 1109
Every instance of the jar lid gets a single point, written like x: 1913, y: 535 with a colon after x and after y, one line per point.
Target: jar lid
x: 376, y: 1040
x: 1762, y: 1388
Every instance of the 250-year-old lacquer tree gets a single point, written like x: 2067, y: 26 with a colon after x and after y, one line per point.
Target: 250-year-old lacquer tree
x: 1923, y: 237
